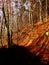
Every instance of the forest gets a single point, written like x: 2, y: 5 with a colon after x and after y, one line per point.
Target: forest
x: 25, y: 23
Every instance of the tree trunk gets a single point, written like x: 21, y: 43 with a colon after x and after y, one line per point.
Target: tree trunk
x: 46, y: 11
x: 6, y: 22
x: 40, y: 10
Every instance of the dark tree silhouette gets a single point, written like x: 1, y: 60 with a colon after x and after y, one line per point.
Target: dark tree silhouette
x: 6, y: 22
x: 18, y: 55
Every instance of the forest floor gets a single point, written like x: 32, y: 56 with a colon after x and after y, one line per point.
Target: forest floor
x: 35, y: 39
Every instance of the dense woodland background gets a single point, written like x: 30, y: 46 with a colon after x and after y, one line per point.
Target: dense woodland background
x: 25, y: 23
x: 14, y: 16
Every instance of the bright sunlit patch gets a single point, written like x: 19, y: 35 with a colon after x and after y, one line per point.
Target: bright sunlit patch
x: 47, y: 33
x: 26, y: 5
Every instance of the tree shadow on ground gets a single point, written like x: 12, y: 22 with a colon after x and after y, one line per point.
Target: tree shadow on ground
x: 18, y: 55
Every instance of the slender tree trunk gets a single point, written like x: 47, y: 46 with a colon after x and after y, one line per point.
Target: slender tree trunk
x: 1, y: 31
x: 9, y: 40
x: 1, y: 21
x: 6, y: 22
x: 46, y: 11
x: 40, y: 10
x: 29, y: 5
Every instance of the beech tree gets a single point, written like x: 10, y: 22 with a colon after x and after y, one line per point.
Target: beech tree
x: 7, y: 22
x: 46, y: 11
x: 40, y: 2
